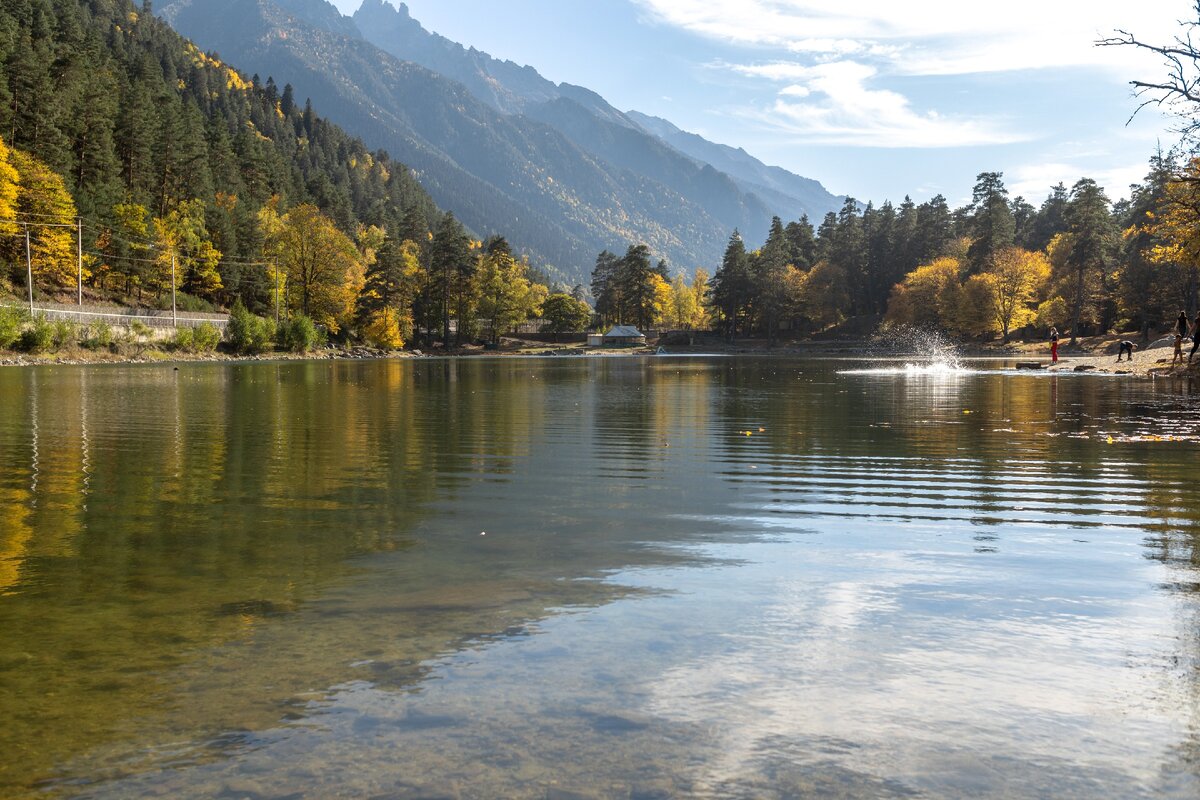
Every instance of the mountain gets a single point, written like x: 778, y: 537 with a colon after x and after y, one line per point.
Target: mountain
x: 511, y: 88
x: 555, y: 168
x: 774, y: 184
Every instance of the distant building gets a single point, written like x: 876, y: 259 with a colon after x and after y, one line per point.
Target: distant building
x: 624, y: 336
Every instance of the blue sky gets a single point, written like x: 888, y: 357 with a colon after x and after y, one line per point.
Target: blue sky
x: 874, y: 98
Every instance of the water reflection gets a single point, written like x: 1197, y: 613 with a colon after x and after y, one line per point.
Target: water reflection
x: 734, y: 577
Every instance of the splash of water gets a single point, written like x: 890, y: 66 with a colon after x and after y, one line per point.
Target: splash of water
x: 932, y: 351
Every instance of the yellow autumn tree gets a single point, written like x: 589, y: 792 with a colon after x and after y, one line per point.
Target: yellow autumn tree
x: 1174, y: 225
x: 975, y: 313
x: 1018, y: 275
x: 8, y: 191
x: 185, y: 252
x: 383, y: 329
x: 822, y: 297
x: 44, y: 202
x: 660, y: 298
x: 929, y: 296
x: 323, y: 267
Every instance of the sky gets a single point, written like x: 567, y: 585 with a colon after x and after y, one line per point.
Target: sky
x: 877, y: 99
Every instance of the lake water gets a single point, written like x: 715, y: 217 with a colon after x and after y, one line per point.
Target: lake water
x: 597, y: 578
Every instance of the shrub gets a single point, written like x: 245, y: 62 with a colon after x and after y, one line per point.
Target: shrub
x: 66, y: 332
x: 205, y: 337
x: 100, y: 335
x: 185, y: 340
x: 247, y: 333
x: 299, y: 334
x: 138, y: 330
x: 39, y: 336
x: 12, y: 320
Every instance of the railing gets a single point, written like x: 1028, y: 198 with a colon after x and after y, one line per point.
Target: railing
x: 151, y: 317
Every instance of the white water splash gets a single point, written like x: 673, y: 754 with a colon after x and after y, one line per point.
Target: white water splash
x: 933, y: 355
x: 936, y: 369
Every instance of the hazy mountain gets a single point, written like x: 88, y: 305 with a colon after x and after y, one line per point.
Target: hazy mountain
x: 555, y: 168
x: 773, y: 184
x: 511, y: 88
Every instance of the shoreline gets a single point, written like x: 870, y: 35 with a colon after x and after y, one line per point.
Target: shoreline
x: 1148, y: 364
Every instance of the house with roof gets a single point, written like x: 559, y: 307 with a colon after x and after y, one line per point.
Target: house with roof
x: 618, y: 336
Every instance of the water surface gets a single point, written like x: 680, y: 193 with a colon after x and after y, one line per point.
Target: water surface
x: 596, y: 577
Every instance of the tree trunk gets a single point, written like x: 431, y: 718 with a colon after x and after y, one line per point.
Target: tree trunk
x: 1078, y: 310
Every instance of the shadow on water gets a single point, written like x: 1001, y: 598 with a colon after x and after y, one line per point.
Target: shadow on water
x: 444, y: 577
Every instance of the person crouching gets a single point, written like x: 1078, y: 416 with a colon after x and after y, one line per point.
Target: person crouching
x: 1127, y: 347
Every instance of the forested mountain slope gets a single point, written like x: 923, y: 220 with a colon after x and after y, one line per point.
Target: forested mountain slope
x: 142, y: 125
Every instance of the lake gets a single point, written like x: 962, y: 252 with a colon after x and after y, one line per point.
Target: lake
x: 597, y: 578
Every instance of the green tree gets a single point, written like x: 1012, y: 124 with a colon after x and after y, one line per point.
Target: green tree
x: 506, y: 295
x: 452, y: 266
x: 1090, y: 246
x: 731, y: 287
x: 992, y: 225
x: 564, y: 314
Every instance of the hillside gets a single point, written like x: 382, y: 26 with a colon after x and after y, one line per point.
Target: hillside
x: 141, y: 126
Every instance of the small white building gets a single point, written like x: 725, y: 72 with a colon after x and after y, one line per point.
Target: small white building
x: 624, y: 336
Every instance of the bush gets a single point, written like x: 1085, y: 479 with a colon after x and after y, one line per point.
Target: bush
x: 12, y: 320
x: 100, y: 335
x: 248, y: 334
x: 138, y: 330
x: 66, y: 332
x: 299, y: 334
x: 205, y: 337
x: 38, y: 337
x: 185, y: 340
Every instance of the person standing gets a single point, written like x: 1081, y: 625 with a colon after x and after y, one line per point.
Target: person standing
x: 1181, y: 325
x: 1195, y: 337
x: 1178, y: 349
x: 1053, y: 345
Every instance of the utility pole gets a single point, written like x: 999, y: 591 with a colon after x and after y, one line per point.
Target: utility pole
x: 79, y: 259
x: 174, y: 321
x: 29, y: 268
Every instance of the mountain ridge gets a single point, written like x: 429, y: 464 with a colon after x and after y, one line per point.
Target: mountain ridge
x: 555, y: 167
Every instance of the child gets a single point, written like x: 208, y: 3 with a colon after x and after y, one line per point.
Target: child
x: 1178, y: 348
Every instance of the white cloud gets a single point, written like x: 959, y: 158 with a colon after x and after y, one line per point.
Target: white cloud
x: 1033, y: 181
x: 930, y: 37
x: 839, y: 107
